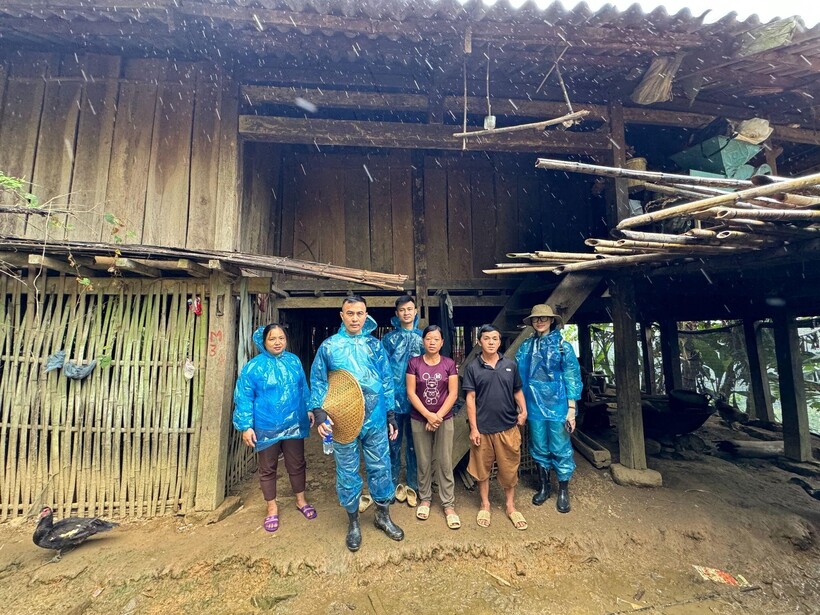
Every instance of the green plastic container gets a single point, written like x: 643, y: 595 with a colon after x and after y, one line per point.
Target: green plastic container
x: 719, y: 155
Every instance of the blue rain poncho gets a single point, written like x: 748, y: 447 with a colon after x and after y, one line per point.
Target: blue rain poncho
x: 550, y: 374
x: 271, y: 396
x: 401, y: 346
x: 363, y: 356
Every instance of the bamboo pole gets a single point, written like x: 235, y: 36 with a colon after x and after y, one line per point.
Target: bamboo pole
x: 769, y: 214
x: 708, y: 203
x: 661, y: 237
x: 617, y: 262
x: 569, y: 117
x: 701, y: 191
x: 542, y: 254
x: 623, y: 173
x: 519, y: 270
x: 762, y: 227
x: 654, y: 246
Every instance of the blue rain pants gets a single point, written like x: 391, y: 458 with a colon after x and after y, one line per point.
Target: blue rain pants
x: 551, y: 447
x: 373, y: 441
x: 406, y: 435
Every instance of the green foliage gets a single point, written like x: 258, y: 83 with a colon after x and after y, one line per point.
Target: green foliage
x: 17, y: 187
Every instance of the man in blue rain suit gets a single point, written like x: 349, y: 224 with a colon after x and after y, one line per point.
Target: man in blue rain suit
x: 552, y: 386
x: 402, y: 344
x: 355, y: 350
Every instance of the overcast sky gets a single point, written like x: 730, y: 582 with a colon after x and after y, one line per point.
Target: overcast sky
x: 766, y: 10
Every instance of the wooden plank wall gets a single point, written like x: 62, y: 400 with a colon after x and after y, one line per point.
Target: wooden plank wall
x: 139, y: 150
x: 354, y: 208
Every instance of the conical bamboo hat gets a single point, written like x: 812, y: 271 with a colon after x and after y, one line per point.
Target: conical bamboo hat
x: 344, y: 403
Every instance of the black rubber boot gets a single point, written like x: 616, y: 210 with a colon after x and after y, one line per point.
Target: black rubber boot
x: 385, y: 523
x: 354, y: 532
x: 562, y: 503
x: 545, y: 489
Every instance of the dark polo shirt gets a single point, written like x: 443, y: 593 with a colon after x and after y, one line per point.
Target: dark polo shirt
x: 495, y: 408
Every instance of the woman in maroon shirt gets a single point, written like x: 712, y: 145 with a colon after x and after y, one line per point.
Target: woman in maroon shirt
x: 432, y: 389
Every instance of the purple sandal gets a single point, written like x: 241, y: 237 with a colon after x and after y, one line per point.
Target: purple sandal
x: 271, y: 523
x: 308, y: 511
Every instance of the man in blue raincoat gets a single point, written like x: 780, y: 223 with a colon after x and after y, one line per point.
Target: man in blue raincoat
x: 552, y: 386
x: 355, y: 350
x: 402, y: 344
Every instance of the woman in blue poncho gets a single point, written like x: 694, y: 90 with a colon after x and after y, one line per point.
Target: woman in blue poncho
x: 552, y: 386
x: 271, y: 412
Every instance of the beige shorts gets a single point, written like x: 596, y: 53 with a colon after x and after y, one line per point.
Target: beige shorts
x: 504, y: 448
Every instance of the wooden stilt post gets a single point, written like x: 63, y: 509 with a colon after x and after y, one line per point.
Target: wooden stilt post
x: 618, y: 199
x: 585, y: 347
x: 627, y: 374
x: 220, y: 370
x: 419, y: 236
x: 761, y: 396
x: 648, y: 357
x: 796, y: 441
x: 670, y: 355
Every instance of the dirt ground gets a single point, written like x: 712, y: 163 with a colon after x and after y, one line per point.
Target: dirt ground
x: 620, y: 550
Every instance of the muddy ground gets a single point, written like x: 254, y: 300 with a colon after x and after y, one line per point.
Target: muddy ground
x: 619, y: 550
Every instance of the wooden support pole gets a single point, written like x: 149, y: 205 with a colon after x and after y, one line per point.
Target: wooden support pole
x: 419, y: 236
x: 796, y: 440
x: 585, y: 347
x: 761, y: 398
x: 220, y: 370
x: 617, y: 199
x: 627, y: 374
x: 648, y: 361
x: 670, y: 355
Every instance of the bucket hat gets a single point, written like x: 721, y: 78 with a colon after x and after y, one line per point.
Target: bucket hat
x: 542, y: 309
x: 344, y: 403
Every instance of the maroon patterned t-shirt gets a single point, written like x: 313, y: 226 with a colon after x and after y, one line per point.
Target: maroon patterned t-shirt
x: 432, y: 384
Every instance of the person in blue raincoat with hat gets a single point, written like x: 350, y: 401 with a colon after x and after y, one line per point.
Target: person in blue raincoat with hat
x: 271, y: 411
x: 552, y: 383
x: 355, y: 350
x: 402, y: 344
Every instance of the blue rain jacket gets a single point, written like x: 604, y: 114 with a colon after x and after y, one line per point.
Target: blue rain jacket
x: 271, y: 396
x: 364, y: 357
x: 401, y: 346
x: 550, y: 374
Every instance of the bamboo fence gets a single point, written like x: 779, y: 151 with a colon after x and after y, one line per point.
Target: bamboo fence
x: 124, y: 440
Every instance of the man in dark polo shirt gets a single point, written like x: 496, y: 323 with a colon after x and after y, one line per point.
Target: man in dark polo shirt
x: 496, y: 410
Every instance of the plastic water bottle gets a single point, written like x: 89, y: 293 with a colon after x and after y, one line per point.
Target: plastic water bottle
x: 327, y: 441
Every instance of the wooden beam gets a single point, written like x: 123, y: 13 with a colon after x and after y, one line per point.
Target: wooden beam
x: 627, y: 374
x: 337, y: 99
x: 49, y: 262
x: 387, y: 301
x: 761, y: 396
x: 127, y: 264
x: 617, y: 199
x: 670, y: 355
x: 191, y: 268
x: 796, y: 438
x: 219, y: 379
x: 419, y: 235
x: 409, y: 136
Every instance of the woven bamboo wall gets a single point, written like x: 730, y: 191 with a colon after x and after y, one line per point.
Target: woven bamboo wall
x: 123, y: 441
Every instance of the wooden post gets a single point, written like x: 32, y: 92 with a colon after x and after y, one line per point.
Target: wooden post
x: 627, y: 374
x: 419, y: 236
x: 220, y: 370
x: 796, y: 440
x: 229, y: 191
x: 761, y: 396
x: 585, y: 347
x: 670, y: 355
x: 618, y: 199
x: 648, y: 359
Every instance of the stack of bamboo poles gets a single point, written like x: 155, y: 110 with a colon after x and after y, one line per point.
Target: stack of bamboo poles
x: 123, y: 441
x: 730, y: 217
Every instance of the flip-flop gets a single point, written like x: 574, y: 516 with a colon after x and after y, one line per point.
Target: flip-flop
x: 518, y: 521
x: 412, y: 497
x: 271, y: 523
x: 483, y: 518
x: 365, y: 502
x: 401, y: 493
x: 453, y: 521
x: 423, y: 512
x: 308, y: 511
